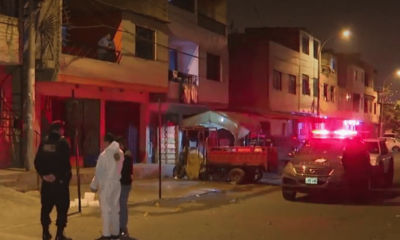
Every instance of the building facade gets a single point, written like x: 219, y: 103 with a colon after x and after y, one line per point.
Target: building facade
x: 160, y: 50
x: 10, y: 59
x: 197, y: 71
x: 274, y: 71
x: 358, y: 100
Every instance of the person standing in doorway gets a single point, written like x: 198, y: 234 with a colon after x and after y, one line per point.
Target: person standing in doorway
x: 126, y: 186
x: 107, y: 180
x: 52, y: 163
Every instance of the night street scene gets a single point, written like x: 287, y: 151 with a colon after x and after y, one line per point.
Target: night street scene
x: 199, y: 119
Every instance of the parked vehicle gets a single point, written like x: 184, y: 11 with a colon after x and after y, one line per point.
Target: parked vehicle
x: 381, y: 161
x: 237, y: 163
x: 392, y: 144
x: 317, y: 166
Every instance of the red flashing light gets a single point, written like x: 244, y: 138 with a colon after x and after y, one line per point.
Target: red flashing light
x: 320, y: 132
x: 342, y: 133
x: 345, y: 133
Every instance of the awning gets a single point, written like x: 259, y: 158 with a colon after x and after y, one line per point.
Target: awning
x: 237, y: 123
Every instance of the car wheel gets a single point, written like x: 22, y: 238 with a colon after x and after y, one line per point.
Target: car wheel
x: 289, y: 195
x: 388, y: 176
x: 396, y: 149
x: 236, y: 176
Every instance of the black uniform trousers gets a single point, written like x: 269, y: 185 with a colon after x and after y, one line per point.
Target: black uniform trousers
x: 55, y: 194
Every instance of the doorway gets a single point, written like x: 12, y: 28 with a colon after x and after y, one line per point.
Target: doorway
x: 123, y: 120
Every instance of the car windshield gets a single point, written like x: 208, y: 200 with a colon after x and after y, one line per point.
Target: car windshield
x: 372, y: 147
x: 323, y: 145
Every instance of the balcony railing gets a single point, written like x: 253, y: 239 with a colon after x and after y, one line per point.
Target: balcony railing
x: 188, y: 86
x: 180, y: 77
x: 92, y: 51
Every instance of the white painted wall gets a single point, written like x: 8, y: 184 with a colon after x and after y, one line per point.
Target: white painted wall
x: 184, y: 26
x: 9, y: 40
x: 288, y: 61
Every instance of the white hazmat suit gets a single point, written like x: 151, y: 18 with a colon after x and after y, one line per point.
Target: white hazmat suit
x: 107, y: 181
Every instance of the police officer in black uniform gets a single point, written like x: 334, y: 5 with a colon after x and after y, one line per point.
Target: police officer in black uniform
x: 357, y: 166
x: 52, y: 163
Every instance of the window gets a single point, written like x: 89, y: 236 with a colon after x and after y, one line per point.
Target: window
x: 213, y: 67
x: 306, y: 85
x: 366, y: 80
x: 173, y: 60
x: 316, y: 49
x: 362, y: 77
x: 374, y: 108
x: 355, y: 75
x: 384, y: 149
x: 370, y: 106
x: 145, y: 43
x: 315, y: 87
x: 326, y: 92
x: 292, y: 84
x: 277, y: 80
x: 333, y: 65
x: 356, y: 102
x: 305, y: 43
x: 365, y: 105
x: 372, y: 147
x: 332, y: 94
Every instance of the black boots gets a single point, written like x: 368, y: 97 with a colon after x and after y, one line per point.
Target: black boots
x: 46, y: 233
x: 60, y: 234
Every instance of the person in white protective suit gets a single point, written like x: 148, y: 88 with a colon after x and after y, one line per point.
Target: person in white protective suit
x: 107, y: 182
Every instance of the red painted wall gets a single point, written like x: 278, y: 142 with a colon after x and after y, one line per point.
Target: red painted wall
x: 5, y: 144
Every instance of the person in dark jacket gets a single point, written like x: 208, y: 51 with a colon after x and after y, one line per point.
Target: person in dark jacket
x: 52, y: 163
x: 126, y: 186
x: 357, y: 166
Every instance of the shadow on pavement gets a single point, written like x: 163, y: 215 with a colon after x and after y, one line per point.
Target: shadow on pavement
x: 375, y: 198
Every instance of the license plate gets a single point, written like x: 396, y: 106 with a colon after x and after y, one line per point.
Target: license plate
x: 311, y: 180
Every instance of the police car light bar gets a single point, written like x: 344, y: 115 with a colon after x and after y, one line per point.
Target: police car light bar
x: 342, y: 133
x: 320, y: 132
x: 345, y: 133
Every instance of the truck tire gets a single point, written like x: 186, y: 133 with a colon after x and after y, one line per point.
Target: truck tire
x: 237, y: 176
x: 396, y: 149
x: 289, y: 195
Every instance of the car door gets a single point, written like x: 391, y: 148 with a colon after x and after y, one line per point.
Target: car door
x: 385, y: 155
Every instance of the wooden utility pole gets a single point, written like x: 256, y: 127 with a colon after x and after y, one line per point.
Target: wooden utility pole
x: 29, y: 93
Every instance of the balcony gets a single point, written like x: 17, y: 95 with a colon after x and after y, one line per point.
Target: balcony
x: 93, y: 52
x: 9, y: 40
x: 183, y: 88
x: 211, y: 24
x: 188, y: 5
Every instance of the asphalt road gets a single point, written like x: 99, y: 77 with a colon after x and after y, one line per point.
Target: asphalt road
x: 256, y: 212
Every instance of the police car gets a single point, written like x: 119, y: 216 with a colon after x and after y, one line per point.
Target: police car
x: 317, y: 165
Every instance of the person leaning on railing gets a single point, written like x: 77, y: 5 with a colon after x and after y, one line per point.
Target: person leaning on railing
x: 106, y: 49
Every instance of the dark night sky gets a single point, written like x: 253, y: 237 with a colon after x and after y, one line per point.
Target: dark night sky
x: 375, y: 25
